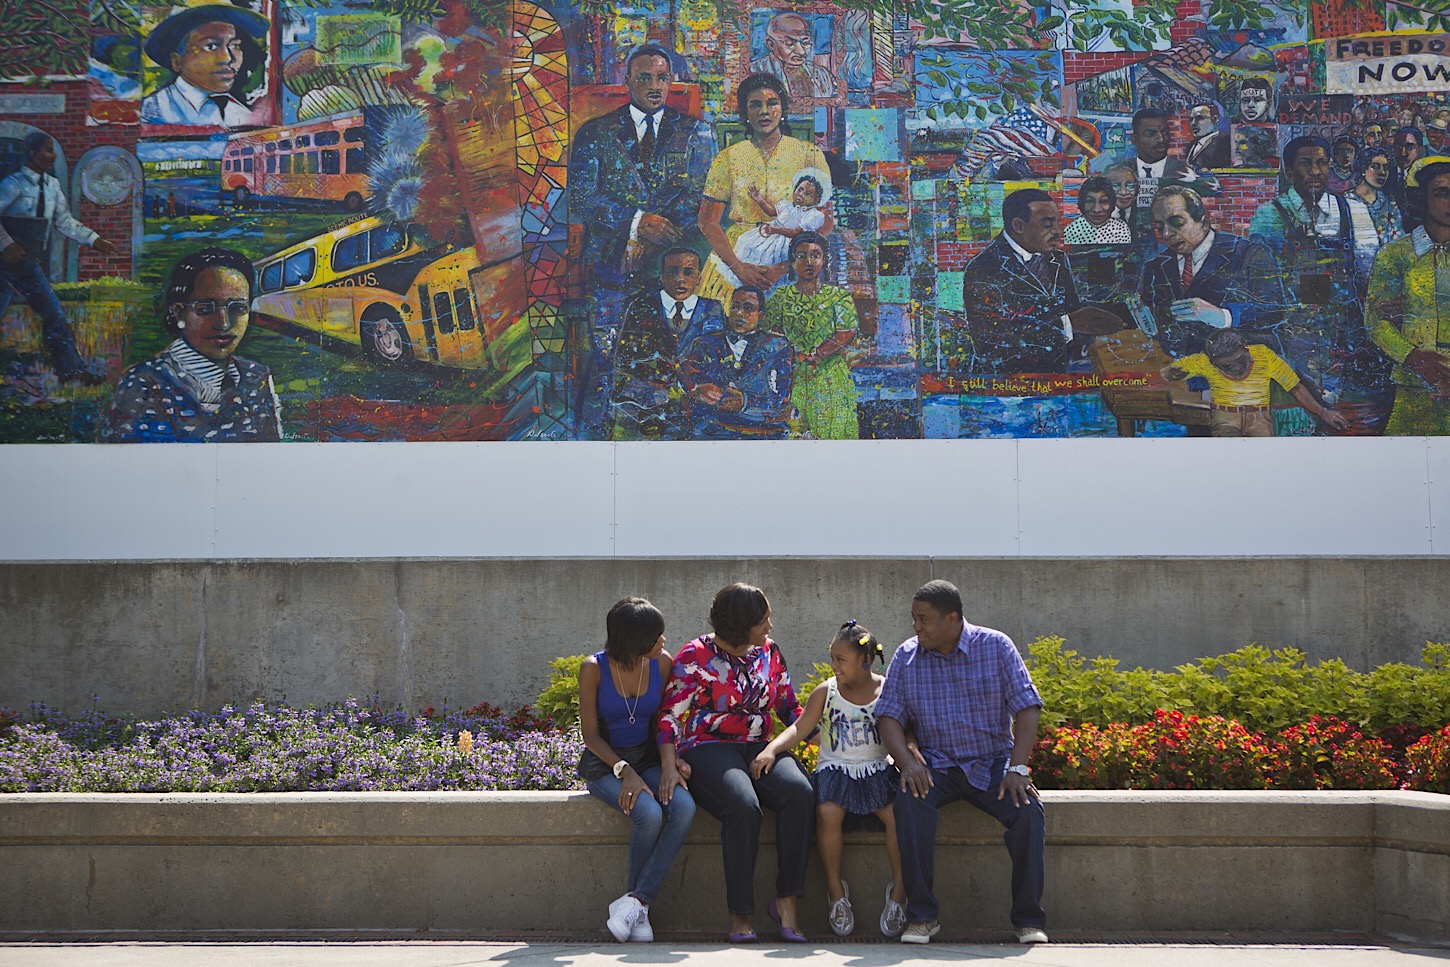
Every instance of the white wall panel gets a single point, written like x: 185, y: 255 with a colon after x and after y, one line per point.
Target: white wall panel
x: 817, y: 498
x: 144, y: 500
x: 415, y: 500
x: 1093, y: 498
x: 1215, y: 497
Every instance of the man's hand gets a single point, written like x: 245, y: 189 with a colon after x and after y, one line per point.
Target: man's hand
x: 13, y: 253
x: 915, y: 778
x: 105, y: 246
x: 658, y: 229
x: 1092, y: 321
x: 1432, y: 368
x: 1172, y: 373
x: 733, y: 401
x: 1198, y: 310
x: 707, y: 393
x: 1019, y: 787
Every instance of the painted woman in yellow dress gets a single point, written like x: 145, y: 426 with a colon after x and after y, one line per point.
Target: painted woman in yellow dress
x: 767, y: 163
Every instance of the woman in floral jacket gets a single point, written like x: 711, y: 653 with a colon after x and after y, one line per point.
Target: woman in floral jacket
x: 717, y: 715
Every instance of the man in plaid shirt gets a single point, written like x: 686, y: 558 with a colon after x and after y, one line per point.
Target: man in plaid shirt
x: 967, y: 696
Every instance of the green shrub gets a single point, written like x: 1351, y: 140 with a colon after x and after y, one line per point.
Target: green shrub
x: 1259, y: 688
x: 560, y: 698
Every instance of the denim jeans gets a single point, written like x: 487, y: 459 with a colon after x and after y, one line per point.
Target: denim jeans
x: 29, y: 281
x: 724, y: 789
x: 1025, y: 837
x: 656, y: 832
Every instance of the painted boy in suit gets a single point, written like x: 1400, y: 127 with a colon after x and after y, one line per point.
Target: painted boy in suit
x: 738, y: 380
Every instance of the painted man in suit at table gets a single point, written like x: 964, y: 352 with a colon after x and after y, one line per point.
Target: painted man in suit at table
x: 1021, y: 301
x: 1207, y: 279
x: 636, y: 176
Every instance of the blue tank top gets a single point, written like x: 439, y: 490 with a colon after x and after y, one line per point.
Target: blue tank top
x: 614, y: 711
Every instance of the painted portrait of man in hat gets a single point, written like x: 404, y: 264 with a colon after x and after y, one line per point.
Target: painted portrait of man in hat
x: 211, y: 51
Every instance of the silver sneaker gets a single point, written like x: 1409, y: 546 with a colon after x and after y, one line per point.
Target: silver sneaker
x: 920, y: 931
x: 842, y: 917
x: 1031, y: 935
x: 893, y: 916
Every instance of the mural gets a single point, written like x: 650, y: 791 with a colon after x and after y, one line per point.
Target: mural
x: 272, y: 220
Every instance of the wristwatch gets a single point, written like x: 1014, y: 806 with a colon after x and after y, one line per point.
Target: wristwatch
x: 1021, y: 771
x: 619, y: 769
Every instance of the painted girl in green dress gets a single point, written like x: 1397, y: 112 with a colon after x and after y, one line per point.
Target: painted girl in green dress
x: 819, y: 320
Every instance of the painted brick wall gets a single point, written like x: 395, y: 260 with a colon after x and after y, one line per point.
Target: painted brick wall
x: 1076, y: 66
x: 76, y: 138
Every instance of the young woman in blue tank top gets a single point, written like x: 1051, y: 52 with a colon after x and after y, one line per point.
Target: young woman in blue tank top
x: 619, y: 694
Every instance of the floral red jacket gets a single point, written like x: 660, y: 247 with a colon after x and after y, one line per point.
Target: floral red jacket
x: 714, y: 697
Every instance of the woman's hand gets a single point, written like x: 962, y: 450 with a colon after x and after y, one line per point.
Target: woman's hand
x: 762, y: 763
x: 757, y: 276
x: 670, y: 777
x: 633, y: 787
x: 683, y: 768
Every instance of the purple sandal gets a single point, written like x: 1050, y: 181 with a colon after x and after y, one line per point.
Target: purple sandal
x: 786, y: 933
x: 744, y: 936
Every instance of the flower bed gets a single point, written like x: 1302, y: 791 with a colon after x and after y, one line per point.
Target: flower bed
x: 273, y: 748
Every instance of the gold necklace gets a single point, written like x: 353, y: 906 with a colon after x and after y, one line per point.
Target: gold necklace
x: 639, y: 689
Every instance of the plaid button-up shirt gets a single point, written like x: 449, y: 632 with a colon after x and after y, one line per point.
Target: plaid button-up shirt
x: 960, y: 704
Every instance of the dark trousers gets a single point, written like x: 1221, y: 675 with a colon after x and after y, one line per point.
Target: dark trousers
x: 1025, y: 837
x: 722, y: 786
x: 28, y: 280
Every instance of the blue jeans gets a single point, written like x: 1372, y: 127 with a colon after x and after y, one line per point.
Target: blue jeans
x: 1025, y: 837
x: 656, y: 832
x: 29, y: 281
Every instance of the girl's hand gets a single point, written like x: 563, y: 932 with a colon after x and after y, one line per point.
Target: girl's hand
x: 670, y: 777
x: 762, y: 763
x: 633, y: 787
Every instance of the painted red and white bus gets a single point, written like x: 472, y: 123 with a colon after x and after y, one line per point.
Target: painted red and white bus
x: 323, y: 161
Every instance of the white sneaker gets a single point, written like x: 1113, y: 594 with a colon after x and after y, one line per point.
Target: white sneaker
x: 1031, y: 935
x: 893, y: 916
x: 642, y: 932
x: 623, y: 914
x: 842, y: 917
x: 921, y: 931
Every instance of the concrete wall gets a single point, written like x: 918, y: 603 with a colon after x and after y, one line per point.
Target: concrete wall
x: 156, y: 636
x: 480, y: 862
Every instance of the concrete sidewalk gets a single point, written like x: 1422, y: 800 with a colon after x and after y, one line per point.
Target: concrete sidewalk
x: 666, y: 954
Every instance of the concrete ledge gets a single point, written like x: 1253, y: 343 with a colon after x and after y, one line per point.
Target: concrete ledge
x: 1117, y: 861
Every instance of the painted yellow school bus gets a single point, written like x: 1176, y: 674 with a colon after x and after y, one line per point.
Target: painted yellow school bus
x: 400, y: 296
